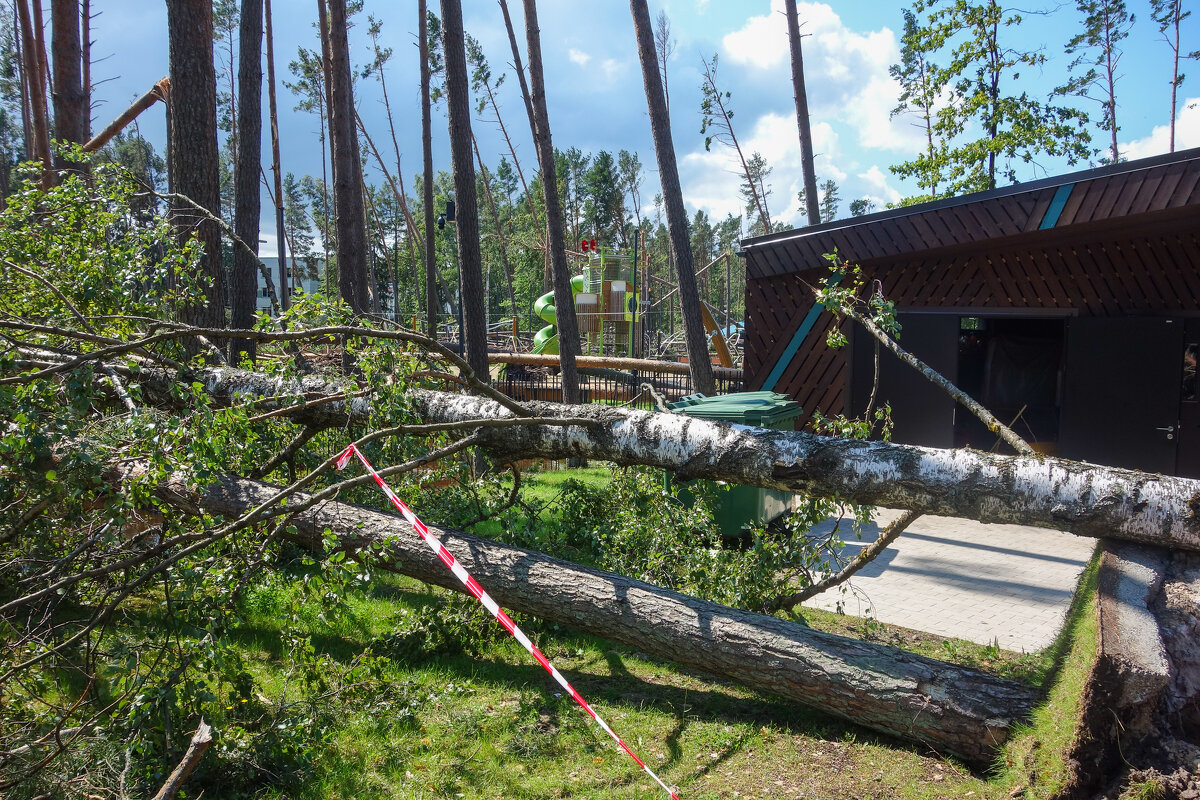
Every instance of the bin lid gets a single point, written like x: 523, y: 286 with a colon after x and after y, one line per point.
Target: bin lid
x: 748, y: 408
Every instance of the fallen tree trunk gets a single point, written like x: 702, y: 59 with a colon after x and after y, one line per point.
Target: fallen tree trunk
x: 948, y: 708
x: 1084, y: 499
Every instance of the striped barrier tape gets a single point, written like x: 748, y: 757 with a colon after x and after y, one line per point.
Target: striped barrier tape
x: 483, y: 597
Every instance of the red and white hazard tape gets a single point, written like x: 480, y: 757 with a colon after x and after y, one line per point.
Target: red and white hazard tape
x: 483, y: 597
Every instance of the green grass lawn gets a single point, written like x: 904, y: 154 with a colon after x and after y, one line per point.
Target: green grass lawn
x: 490, y: 723
x: 461, y: 710
x: 494, y: 724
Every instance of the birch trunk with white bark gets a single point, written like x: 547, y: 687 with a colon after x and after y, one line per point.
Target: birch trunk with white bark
x: 1073, y: 496
x: 1081, y: 498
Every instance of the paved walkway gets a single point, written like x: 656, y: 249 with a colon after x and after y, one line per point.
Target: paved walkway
x: 1009, y: 584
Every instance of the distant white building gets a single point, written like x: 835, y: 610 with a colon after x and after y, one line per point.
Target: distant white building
x: 311, y: 273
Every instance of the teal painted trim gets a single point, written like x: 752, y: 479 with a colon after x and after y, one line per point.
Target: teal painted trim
x: 1056, y: 206
x: 797, y: 339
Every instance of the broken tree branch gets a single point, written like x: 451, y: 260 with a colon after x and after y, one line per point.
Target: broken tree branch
x: 864, y: 557
x: 157, y: 92
x: 937, y: 379
x: 201, y: 740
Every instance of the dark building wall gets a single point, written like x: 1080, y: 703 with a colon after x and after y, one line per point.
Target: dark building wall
x: 1114, y: 245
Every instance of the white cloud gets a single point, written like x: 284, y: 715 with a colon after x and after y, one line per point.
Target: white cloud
x: 612, y: 67
x: 878, y: 190
x: 1187, y: 134
x: 712, y: 179
x: 578, y: 57
x: 846, y: 71
x: 762, y: 42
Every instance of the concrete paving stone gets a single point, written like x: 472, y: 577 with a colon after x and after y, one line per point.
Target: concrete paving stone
x: 964, y: 579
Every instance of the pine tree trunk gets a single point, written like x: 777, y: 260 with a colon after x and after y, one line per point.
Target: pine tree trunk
x: 520, y: 70
x: 501, y: 239
x: 37, y: 140
x: 287, y: 280
x: 28, y: 141
x: 328, y: 235
x: 564, y: 302
x: 243, y: 291
x: 803, y: 123
x: 952, y: 709
x: 677, y: 224
x: 470, y: 265
x: 193, y: 152
x: 353, y: 280
x: 71, y: 114
x: 431, y: 273
x: 85, y: 61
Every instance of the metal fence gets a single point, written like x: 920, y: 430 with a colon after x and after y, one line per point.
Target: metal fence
x: 602, y: 385
x: 654, y: 335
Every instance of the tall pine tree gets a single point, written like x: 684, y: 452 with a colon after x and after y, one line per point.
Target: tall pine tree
x: 1097, y: 51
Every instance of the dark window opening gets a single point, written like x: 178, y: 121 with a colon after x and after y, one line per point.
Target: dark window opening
x: 1013, y: 367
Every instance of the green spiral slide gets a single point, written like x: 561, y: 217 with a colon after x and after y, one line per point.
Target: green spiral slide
x: 545, y: 341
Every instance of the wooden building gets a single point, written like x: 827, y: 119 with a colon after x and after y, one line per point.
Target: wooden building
x: 1071, y: 305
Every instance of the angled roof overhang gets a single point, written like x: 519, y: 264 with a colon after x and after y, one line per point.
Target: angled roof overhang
x: 1144, y: 196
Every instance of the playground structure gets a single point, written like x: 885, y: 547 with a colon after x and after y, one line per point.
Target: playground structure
x: 607, y: 307
x: 627, y: 333
x: 612, y: 309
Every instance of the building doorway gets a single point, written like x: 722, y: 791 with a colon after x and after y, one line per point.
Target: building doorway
x: 1014, y: 367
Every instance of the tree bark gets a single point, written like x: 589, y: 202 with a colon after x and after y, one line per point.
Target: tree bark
x: 35, y: 80
x: 812, y: 208
x: 564, y: 302
x: 677, y: 224
x: 431, y: 273
x: 71, y: 114
x: 1084, y: 499
x: 470, y: 260
x: 193, y: 152
x: 85, y: 60
x: 244, y: 285
x: 28, y: 140
x: 949, y: 708
x: 325, y: 101
x: 286, y: 279
x: 353, y: 280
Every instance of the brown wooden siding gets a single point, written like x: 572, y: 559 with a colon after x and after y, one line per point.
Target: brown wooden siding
x: 1148, y: 265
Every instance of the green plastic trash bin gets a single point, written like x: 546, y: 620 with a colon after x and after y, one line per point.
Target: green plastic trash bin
x: 738, y: 507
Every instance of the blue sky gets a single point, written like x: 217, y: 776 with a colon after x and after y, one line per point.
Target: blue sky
x: 596, y: 100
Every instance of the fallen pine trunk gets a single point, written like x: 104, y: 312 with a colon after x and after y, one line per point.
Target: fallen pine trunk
x: 951, y: 709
